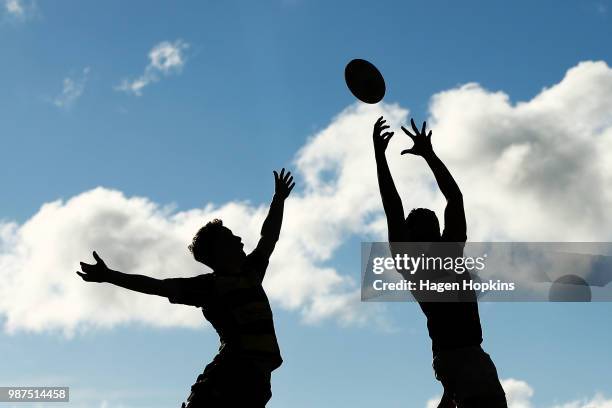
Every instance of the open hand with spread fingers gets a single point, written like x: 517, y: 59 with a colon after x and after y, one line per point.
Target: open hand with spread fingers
x: 283, y: 184
x: 422, y: 141
x: 97, y: 272
x: 381, y: 140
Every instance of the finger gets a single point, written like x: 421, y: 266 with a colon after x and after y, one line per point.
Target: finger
x: 85, y: 265
x: 429, y: 134
x: 282, y: 173
x: 408, y: 151
x: 408, y: 133
x: 387, y: 135
x: 414, y: 127
x: 287, y: 176
x: 378, y: 120
x: 96, y: 257
x: 82, y: 275
x: 291, y: 187
x: 384, y: 127
x: 275, y: 175
x: 289, y: 180
x: 423, y: 128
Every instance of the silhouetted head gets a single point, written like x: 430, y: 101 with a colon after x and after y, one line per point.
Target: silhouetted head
x: 217, y: 247
x: 423, y: 226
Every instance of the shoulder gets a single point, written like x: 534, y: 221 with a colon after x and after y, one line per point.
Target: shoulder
x: 255, y: 265
x: 198, y: 282
x: 451, y: 246
x: 205, y: 277
x: 398, y: 234
x: 188, y: 291
x: 256, y: 259
x: 451, y: 235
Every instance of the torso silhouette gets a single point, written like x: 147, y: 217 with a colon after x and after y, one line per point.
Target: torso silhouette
x: 237, y: 307
x: 451, y: 323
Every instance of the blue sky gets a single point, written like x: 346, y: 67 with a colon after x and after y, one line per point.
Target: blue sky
x: 257, y: 85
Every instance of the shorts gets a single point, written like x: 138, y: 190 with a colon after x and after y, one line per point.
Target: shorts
x: 230, y: 383
x: 470, y: 377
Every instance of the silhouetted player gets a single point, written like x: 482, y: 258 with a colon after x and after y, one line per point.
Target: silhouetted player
x: 467, y: 373
x: 232, y: 300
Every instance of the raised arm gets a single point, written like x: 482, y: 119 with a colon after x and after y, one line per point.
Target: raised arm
x: 392, y: 203
x: 270, y: 230
x: 99, y: 272
x: 454, y: 214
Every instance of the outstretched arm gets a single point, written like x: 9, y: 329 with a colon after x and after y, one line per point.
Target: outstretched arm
x: 99, y: 272
x: 422, y: 147
x: 454, y: 214
x: 392, y: 203
x: 270, y: 230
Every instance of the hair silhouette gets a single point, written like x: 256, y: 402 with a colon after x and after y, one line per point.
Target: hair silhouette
x: 422, y: 225
x: 202, y: 245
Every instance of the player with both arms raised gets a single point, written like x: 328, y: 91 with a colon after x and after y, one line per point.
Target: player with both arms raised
x: 467, y: 373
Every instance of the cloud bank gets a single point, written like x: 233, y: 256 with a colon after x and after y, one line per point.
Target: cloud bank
x: 529, y: 171
x: 519, y: 393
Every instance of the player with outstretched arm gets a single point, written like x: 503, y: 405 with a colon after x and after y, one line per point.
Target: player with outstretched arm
x: 232, y: 299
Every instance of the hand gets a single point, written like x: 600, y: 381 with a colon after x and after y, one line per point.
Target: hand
x: 283, y: 184
x: 422, y: 143
x: 381, y: 140
x: 94, y: 273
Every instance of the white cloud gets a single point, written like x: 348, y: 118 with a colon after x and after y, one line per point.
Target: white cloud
x: 602, y: 8
x: 40, y: 256
x: 20, y: 10
x: 166, y: 58
x: 14, y: 7
x: 535, y: 170
x: 433, y: 402
x: 519, y: 393
x: 598, y: 401
x: 72, y: 89
x: 41, y: 291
